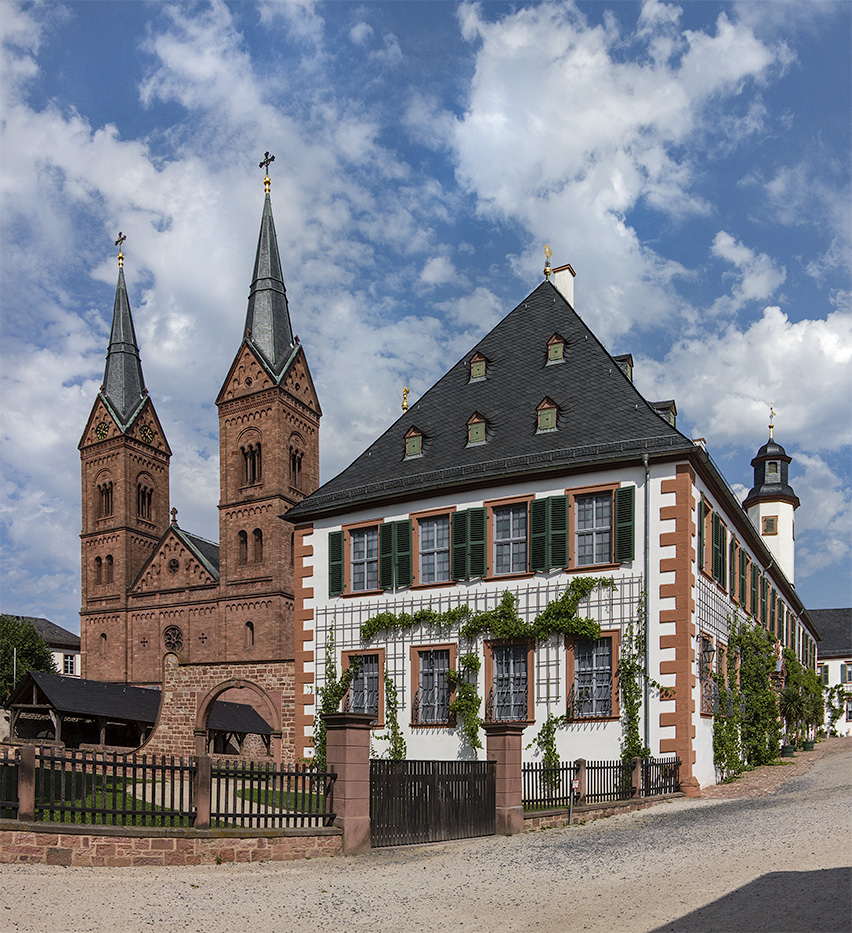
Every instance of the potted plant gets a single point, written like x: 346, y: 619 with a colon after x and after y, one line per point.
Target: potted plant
x: 791, y: 706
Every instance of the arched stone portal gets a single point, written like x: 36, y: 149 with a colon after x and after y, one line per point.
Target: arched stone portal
x: 189, y: 691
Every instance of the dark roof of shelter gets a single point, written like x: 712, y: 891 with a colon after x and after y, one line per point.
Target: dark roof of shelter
x: 600, y: 415
x: 835, y: 626
x: 124, y: 385
x: 121, y: 702
x: 53, y: 635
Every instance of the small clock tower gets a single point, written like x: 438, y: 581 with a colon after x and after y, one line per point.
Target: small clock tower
x: 125, y: 488
x: 771, y: 502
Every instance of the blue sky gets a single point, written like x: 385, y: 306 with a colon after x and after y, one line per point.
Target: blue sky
x: 691, y: 161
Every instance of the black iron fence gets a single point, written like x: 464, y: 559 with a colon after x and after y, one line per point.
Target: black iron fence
x: 105, y: 788
x: 660, y: 776
x: 55, y: 785
x: 550, y: 786
x: 547, y: 786
x: 607, y: 781
x: 265, y: 794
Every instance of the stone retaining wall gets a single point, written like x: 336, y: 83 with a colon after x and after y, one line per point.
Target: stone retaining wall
x: 555, y: 819
x: 55, y: 844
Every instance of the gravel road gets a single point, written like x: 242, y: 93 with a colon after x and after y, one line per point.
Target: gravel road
x: 778, y: 862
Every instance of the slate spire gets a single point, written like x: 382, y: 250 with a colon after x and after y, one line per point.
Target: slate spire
x: 268, y: 317
x: 124, y: 384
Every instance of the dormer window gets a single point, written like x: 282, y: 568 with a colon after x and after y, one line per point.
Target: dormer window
x: 555, y: 349
x: 477, y: 367
x: 546, y: 413
x: 475, y: 430
x: 413, y: 443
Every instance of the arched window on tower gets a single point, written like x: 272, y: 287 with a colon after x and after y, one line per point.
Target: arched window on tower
x: 103, y: 645
x: 249, y: 635
x: 109, y: 568
x: 295, y: 468
x: 242, y: 537
x: 105, y: 499
x: 257, y: 535
x: 144, y: 498
x: 252, y: 463
x: 99, y: 571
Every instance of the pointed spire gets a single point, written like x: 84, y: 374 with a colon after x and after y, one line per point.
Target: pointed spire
x: 268, y: 317
x: 124, y: 384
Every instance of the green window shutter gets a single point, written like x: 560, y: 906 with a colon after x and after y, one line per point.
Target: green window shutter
x: 773, y: 627
x: 459, y: 546
x: 386, y: 555
x: 625, y: 521
x: 743, y: 575
x: 335, y: 563
x: 468, y: 544
x: 844, y: 671
x: 701, y: 508
x: 476, y: 558
x: 755, y: 583
x: 714, y: 524
x: 558, y: 532
x: 395, y: 554
x: 539, y: 557
x: 825, y: 674
x: 402, y: 542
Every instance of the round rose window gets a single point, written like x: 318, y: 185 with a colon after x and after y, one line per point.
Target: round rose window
x: 173, y: 638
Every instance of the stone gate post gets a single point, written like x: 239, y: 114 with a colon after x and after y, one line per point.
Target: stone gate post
x: 503, y: 746
x: 347, y: 752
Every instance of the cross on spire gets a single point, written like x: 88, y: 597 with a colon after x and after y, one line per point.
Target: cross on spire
x: 119, y: 243
x: 174, y: 515
x: 264, y: 164
x: 771, y: 421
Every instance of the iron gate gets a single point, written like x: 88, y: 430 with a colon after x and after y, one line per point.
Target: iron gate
x: 430, y: 801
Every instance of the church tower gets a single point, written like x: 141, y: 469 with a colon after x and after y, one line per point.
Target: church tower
x: 269, y: 418
x: 125, y: 489
x: 771, y: 502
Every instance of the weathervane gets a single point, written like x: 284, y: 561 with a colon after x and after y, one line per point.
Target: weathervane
x: 548, y: 255
x: 119, y: 243
x: 264, y: 164
x: 405, y: 391
x: 771, y: 421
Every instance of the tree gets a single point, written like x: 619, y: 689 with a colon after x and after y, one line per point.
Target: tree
x: 32, y: 653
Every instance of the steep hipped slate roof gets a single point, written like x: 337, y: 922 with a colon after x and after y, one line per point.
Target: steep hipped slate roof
x: 124, y: 386
x: 206, y: 551
x: 601, y: 415
x: 835, y: 626
x: 54, y: 636
x: 131, y: 704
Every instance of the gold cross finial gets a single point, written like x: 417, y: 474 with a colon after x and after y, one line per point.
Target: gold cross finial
x: 548, y: 255
x: 119, y: 243
x: 771, y: 421
x: 265, y: 163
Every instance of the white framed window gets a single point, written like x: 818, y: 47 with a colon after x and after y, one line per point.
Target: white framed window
x: 68, y: 664
x: 432, y: 701
x: 364, y: 556
x: 592, y: 689
x: 508, y: 699
x: 435, y: 549
x: 510, y: 539
x: 593, y: 529
x: 363, y: 694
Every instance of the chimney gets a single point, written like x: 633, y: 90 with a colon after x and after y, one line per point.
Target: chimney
x: 563, y: 279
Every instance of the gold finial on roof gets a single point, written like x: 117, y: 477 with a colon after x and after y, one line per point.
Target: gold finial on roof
x: 405, y: 391
x: 265, y: 163
x: 548, y: 255
x: 119, y: 242
x: 771, y: 421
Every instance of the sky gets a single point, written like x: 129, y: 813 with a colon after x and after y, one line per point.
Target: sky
x: 691, y: 161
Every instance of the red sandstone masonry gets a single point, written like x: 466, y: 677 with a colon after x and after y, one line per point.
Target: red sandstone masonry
x: 683, y: 667
x: 69, y: 847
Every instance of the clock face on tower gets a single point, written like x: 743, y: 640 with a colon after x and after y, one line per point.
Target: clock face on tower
x: 102, y: 430
x: 146, y: 433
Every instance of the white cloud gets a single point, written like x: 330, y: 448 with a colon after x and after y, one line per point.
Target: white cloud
x: 438, y: 270
x: 758, y: 277
x: 361, y: 33
x: 724, y: 383
x: 824, y: 518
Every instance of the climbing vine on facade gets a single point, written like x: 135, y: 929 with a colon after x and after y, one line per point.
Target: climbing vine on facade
x: 330, y: 697
x: 632, y: 678
x: 467, y: 701
x: 397, y: 748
